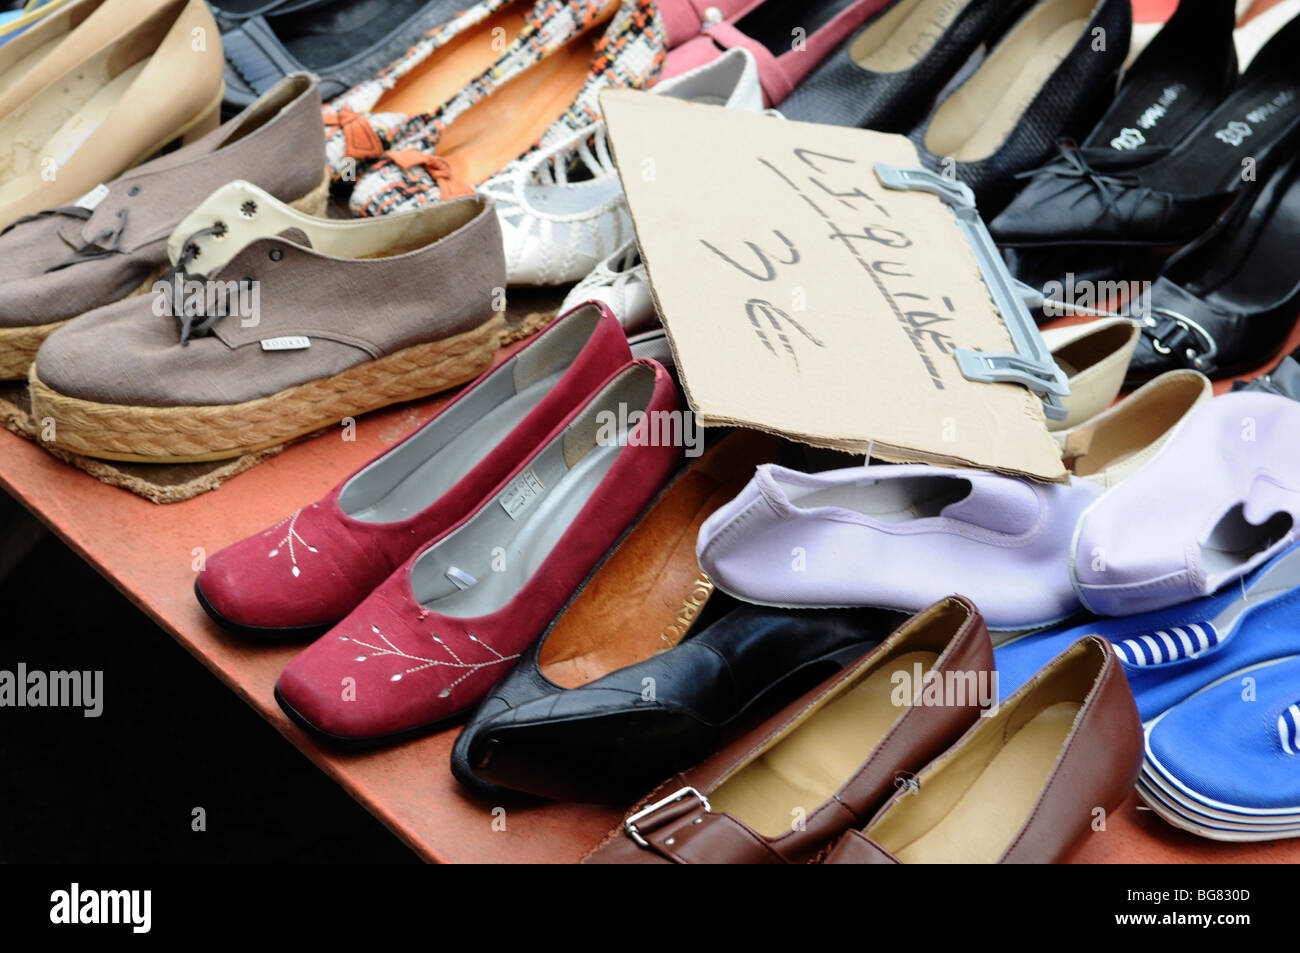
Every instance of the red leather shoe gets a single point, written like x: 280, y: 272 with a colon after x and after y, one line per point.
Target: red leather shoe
x: 429, y: 643
x: 312, y: 568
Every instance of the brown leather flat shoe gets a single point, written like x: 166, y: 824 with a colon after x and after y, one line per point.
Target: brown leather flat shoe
x: 1023, y: 785
x: 787, y: 789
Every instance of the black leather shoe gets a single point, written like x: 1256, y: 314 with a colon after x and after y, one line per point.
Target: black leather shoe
x: 341, y: 41
x: 1176, y: 198
x: 1050, y: 77
x: 888, y: 74
x: 1283, y: 380
x: 229, y: 14
x: 611, y: 737
x: 1182, y: 75
x: 1226, y: 303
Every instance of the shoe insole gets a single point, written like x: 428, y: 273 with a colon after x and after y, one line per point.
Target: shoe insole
x: 501, y: 552
x: 20, y: 68
x: 1210, y: 159
x: 1131, y: 430
x: 802, y: 770
x: 494, y: 132
x: 650, y: 591
x: 890, y: 501
x: 1007, y: 109
x: 478, y: 430
x: 452, y: 67
x: 1234, y: 541
x: 28, y: 156
x: 1158, y: 108
x: 981, y: 824
x: 901, y: 37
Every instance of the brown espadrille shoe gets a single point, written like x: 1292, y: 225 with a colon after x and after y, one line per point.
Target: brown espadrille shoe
x: 112, y: 244
x: 272, y: 324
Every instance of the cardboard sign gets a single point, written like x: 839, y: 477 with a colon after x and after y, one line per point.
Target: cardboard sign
x: 803, y: 298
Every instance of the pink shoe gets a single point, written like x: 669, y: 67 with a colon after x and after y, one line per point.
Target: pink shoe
x: 759, y: 28
x: 429, y: 643
x: 312, y: 568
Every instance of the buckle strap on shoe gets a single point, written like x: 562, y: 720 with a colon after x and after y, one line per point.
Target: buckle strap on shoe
x: 1177, y: 336
x: 360, y: 141
x: 683, y: 828
x: 438, y: 168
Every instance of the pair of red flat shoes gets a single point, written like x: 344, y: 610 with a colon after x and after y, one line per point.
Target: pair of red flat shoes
x: 430, y: 569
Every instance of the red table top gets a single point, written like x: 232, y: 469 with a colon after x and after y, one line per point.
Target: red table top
x: 146, y: 550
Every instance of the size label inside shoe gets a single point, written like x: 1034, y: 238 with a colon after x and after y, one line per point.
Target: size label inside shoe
x: 294, y: 342
x: 91, y: 199
x: 526, y: 490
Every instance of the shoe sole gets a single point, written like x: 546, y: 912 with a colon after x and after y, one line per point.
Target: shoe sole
x: 196, y: 434
x: 18, y: 346
x: 262, y: 633
x: 364, y: 743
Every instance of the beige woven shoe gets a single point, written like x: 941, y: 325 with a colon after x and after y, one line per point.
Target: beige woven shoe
x: 149, y: 81
x: 296, y: 323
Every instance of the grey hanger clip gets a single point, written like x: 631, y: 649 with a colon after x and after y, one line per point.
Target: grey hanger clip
x: 1031, y: 364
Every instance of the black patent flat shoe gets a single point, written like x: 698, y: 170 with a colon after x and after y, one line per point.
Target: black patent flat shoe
x: 1050, y: 77
x: 341, y: 41
x: 887, y: 75
x: 1085, y: 197
x: 607, y: 739
x: 1226, y: 303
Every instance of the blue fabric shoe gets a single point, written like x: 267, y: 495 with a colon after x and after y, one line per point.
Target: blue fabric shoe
x: 1228, y: 758
x: 1171, y: 654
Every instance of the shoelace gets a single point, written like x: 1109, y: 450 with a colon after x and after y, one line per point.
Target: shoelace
x: 104, y: 244
x: 1070, y: 163
x: 179, y: 275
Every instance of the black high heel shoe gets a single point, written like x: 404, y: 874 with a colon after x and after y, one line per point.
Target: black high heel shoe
x: 887, y: 75
x: 1229, y: 301
x: 1051, y: 76
x: 1182, y: 75
x: 1174, y: 199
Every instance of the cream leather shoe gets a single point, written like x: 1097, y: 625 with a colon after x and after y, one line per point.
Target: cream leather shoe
x: 151, y: 80
x: 1120, y: 441
x: 27, y: 63
x: 1095, y: 357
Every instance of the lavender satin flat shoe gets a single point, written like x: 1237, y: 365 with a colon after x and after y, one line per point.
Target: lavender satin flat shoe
x: 1221, y: 498
x: 899, y: 537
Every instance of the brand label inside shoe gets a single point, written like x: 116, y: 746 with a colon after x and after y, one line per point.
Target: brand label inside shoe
x: 460, y: 578
x: 294, y: 342
x: 91, y: 199
x: 526, y: 490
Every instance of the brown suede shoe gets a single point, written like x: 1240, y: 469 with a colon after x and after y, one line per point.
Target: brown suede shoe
x: 59, y: 264
x: 296, y: 323
x: 155, y: 77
